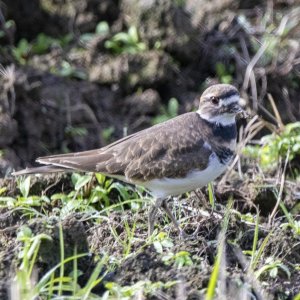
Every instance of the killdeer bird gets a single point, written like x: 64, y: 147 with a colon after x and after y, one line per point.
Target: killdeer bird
x: 171, y: 158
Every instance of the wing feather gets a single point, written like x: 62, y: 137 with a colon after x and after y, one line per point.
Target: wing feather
x: 169, y: 149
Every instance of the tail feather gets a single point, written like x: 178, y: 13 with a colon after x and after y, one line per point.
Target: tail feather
x: 40, y: 170
x: 86, y: 161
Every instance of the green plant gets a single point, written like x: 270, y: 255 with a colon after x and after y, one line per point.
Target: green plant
x: 140, y: 289
x: 211, y: 195
x: 67, y: 70
x: 21, y: 52
x: 292, y: 223
x: 24, y: 201
x: 39, y: 46
x: 167, y: 113
x: 180, y: 259
x: 275, y: 146
x: 107, y: 133
x: 272, y: 266
x: 217, y: 268
x: 126, y: 42
x: 224, y: 75
x: 6, y: 26
x: 28, y: 256
x: 161, y: 241
x: 76, y: 131
x: 102, y: 28
x: 51, y: 286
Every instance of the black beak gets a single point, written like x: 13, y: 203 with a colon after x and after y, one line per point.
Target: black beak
x: 239, y: 111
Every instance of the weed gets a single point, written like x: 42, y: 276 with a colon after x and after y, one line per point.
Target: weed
x: 26, y: 287
x: 136, y: 291
x: 275, y: 146
x: 224, y: 75
x: 161, y: 241
x: 101, y: 29
x: 42, y: 44
x: 180, y: 259
x: 167, y: 113
x: 21, y: 52
x: 67, y: 70
x: 220, y: 259
x: 25, y: 276
x: 107, y: 133
x: 272, y: 266
x: 211, y: 195
x: 9, y: 24
x: 126, y: 42
x: 292, y: 223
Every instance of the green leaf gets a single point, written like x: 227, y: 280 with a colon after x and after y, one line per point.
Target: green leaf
x: 100, y: 178
x: 24, y: 186
x: 82, y: 182
x: 102, y: 28
x: 132, y: 32
x: 173, y: 107
x: 24, y: 232
x: 59, y: 196
x: 158, y: 247
x: 274, y: 272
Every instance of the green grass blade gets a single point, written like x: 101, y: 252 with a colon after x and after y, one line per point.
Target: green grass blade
x: 62, y: 257
x: 221, y: 250
x: 211, y: 195
x: 255, y: 240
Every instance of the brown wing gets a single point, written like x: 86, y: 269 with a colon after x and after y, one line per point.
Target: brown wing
x: 169, y: 149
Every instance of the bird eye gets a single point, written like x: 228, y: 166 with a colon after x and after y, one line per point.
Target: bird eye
x: 214, y: 100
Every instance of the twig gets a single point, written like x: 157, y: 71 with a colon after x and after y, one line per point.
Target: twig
x: 277, y: 115
x: 280, y: 190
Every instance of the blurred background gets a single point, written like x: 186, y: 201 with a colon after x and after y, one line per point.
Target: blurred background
x: 79, y: 74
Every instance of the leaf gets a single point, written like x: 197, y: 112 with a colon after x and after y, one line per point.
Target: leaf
x: 158, y: 247
x: 100, y: 178
x: 59, y: 196
x: 274, y: 272
x: 82, y: 181
x: 25, y: 187
x: 173, y: 107
x: 102, y: 28
x: 132, y: 32
x: 167, y: 243
x: 86, y: 37
x: 3, y: 190
x: 24, y: 232
x: 286, y: 270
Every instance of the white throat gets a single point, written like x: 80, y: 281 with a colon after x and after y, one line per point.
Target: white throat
x: 224, y: 119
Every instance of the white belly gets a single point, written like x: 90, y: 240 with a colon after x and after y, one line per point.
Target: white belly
x: 164, y: 187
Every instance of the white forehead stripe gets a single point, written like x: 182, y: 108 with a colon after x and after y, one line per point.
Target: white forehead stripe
x: 230, y: 100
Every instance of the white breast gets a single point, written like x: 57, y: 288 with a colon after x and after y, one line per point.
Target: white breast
x: 195, y: 179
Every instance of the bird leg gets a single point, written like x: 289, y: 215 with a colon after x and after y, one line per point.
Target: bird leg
x: 183, y: 235
x: 152, y: 215
x: 166, y: 208
x: 161, y: 203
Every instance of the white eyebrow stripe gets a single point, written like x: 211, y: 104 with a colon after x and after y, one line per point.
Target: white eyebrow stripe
x: 230, y: 100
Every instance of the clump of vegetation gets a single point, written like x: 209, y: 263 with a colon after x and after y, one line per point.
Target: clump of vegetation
x: 168, y: 112
x: 126, y: 42
x: 102, y: 29
x: 276, y: 146
x: 40, y: 45
x: 224, y: 74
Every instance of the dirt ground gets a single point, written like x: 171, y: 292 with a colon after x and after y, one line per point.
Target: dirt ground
x: 77, y: 94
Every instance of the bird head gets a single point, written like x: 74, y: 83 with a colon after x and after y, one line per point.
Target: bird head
x: 220, y: 104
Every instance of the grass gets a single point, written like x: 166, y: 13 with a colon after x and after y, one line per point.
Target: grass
x: 92, y: 197
x: 118, y: 212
